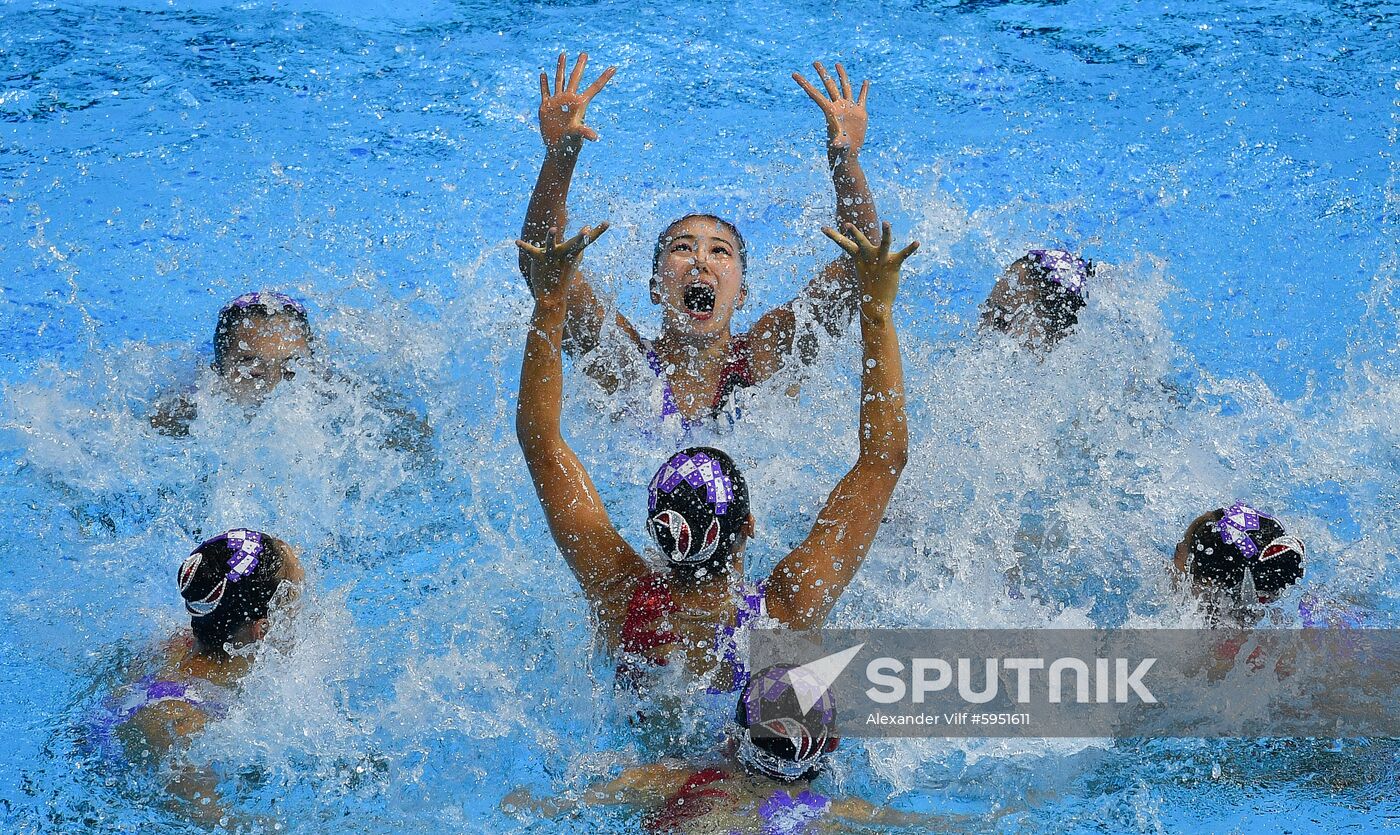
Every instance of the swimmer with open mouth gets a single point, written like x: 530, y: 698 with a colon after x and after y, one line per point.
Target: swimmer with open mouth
x: 699, y: 265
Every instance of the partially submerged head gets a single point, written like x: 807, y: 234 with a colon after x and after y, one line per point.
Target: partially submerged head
x: 698, y: 274
x: 1038, y: 299
x: 229, y: 584
x: 698, y: 514
x: 257, y: 340
x: 1236, y: 557
x: 777, y: 737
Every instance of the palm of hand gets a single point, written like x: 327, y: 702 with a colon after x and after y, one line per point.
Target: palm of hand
x: 561, y: 118
x: 845, y: 125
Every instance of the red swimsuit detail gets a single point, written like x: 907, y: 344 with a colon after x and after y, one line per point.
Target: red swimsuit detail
x: 694, y: 800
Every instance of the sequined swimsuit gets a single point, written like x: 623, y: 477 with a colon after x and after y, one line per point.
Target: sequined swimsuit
x: 737, y: 373
x: 646, y: 633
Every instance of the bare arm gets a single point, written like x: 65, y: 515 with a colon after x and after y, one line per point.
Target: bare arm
x: 194, y: 790
x: 831, y: 295
x: 806, y: 583
x: 562, y: 110
x: 641, y: 785
x: 605, y: 565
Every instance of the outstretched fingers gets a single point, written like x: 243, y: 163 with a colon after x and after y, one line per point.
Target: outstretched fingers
x: 577, y: 75
x: 904, y: 254
x: 831, y: 89
x: 845, y: 83
x: 812, y: 91
x: 841, y: 240
x: 544, y: 88
x: 864, y: 88
x: 559, y: 74
x: 886, y: 237
x: 855, y: 232
x: 601, y: 82
x: 586, y: 236
x: 529, y: 248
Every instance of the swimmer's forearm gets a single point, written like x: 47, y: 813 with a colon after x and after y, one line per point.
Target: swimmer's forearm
x: 541, y: 375
x: 549, y: 202
x: 884, y: 430
x: 854, y: 202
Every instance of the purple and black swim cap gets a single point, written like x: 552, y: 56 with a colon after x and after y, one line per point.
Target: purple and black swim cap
x: 1239, y: 539
x: 229, y: 581
x: 780, y: 739
x: 1061, y: 280
x: 697, y: 504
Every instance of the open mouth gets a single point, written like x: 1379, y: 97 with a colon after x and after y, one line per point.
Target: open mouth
x: 700, y: 299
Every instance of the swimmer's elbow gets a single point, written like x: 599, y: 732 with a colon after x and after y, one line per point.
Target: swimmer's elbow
x: 885, y: 466
x: 899, y: 458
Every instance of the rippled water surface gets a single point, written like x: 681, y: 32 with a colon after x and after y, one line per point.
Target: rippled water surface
x: 1231, y: 166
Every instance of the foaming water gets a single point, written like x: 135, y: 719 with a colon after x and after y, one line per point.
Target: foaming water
x: 378, y: 164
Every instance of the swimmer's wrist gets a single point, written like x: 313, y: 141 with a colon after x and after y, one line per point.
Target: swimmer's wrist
x: 566, y: 149
x: 841, y: 157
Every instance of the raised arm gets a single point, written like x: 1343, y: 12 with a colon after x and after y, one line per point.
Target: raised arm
x: 806, y: 583
x: 830, y: 298
x: 562, y: 110
x: 605, y: 565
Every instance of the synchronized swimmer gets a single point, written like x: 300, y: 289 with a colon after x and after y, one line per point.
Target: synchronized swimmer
x: 699, y: 265
x: 698, y: 503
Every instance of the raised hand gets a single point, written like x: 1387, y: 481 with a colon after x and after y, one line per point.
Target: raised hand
x: 845, y: 113
x: 554, y: 265
x: 562, y: 111
x: 877, y: 269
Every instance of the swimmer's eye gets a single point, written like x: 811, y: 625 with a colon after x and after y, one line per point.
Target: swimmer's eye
x: 720, y: 250
x: 680, y: 247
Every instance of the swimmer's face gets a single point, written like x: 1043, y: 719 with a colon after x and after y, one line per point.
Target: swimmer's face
x: 286, y: 603
x: 699, y: 279
x: 1013, y: 305
x: 262, y: 351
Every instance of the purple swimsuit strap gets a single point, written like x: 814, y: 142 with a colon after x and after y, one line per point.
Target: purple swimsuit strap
x: 668, y: 397
x: 750, y: 609
x: 119, y: 709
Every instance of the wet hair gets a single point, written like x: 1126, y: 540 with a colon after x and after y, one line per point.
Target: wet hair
x: 697, y: 504
x: 665, y: 238
x: 780, y: 739
x: 1056, y: 305
x: 1275, y: 564
x: 248, y: 308
x: 228, y: 582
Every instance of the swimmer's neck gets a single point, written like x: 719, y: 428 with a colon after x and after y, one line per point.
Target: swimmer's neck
x: 698, y: 355
x: 215, y: 665
x: 713, y: 596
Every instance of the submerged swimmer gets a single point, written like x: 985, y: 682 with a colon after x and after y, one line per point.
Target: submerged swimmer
x: 698, y: 503
x: 698, y: 265
x: 763, y: 783
x: 1236, y: 560
x: 231, y: 586
x: 264, y: 339
x: 259, y: 340
x: 1038, y: 299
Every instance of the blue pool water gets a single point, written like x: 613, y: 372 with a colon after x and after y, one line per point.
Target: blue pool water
x: 1231, y: 165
